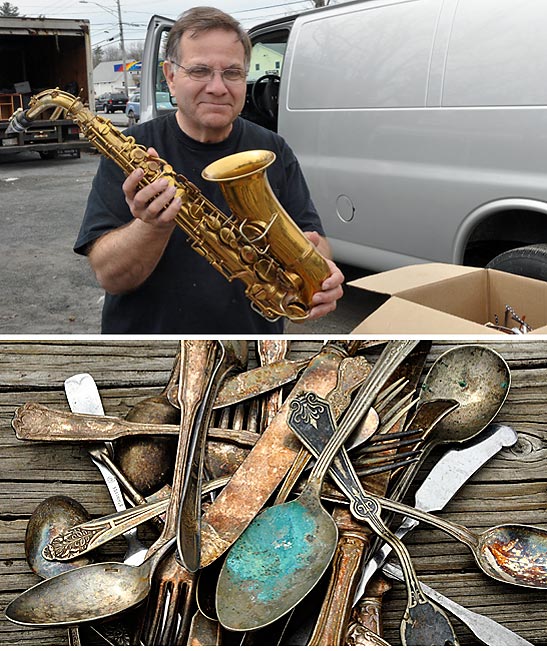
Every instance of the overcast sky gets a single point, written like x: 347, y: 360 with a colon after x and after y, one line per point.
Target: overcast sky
x: 136, y: 13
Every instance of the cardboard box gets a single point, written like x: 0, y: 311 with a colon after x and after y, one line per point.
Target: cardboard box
x: 443, y: 299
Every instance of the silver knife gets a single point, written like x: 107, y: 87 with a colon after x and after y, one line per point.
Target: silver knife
x: 84, y: 398
x: 487, y: 630
x: 445, y: 479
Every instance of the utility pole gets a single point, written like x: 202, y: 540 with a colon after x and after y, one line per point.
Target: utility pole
x: 122, y: 44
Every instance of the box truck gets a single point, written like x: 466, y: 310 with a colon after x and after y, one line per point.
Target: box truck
x: 37, y: 54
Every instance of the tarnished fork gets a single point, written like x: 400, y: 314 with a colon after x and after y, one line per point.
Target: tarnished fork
x: 377, y: 464
x: 168, y: 610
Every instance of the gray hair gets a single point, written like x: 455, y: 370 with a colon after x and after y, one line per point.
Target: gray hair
x: 202, y: 19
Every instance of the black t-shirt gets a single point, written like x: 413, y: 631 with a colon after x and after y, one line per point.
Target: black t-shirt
x: 185, y: 294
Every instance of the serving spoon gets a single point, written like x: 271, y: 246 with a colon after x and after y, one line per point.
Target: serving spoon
x: 479, y: 379
x: 284, y: 552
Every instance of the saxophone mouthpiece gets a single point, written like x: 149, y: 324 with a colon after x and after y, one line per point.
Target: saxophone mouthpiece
x: 18, y: 122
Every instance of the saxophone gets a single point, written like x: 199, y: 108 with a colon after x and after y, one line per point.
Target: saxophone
x: 258, y: 243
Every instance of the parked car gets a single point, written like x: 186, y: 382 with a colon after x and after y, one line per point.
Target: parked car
x: 418, y: 123
x: 111, y: 102
x: 99, y: 103
x: 133, y: 107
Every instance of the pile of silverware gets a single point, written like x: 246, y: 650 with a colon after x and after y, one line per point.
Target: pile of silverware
x: 273, y: 492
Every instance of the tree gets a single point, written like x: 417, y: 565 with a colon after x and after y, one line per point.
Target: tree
x: 98, y: 55
x: 7, y: 9
x: 133, y: 52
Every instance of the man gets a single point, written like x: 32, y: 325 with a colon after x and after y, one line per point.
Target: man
x: 154, y: 282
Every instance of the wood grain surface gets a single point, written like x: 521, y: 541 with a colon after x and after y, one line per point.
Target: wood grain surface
x: 512, y: 487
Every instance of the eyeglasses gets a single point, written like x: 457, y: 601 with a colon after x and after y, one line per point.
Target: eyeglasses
x: 206, y: 73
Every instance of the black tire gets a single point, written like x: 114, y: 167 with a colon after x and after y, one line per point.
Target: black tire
x: 529, y: 261
x: 48, y: 154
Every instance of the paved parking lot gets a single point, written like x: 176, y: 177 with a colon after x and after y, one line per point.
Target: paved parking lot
x: 48, y: 289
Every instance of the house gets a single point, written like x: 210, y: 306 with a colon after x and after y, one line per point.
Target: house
x: 266, y: 60
x: 108, y: 77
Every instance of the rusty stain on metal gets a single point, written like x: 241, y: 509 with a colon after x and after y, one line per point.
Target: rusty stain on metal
x: 524, y: 558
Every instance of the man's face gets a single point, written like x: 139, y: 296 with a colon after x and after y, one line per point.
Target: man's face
x: 207, y: 108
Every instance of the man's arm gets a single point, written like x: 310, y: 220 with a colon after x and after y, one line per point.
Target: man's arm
x: 124, y: 258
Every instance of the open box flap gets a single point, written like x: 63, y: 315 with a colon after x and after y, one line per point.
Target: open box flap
x: 401, y: 316
x: 403, y: 279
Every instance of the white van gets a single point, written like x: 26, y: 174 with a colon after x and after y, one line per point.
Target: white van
x: 421, y: 125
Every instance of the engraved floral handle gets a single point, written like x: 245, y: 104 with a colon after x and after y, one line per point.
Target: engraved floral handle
x: 35, y: 422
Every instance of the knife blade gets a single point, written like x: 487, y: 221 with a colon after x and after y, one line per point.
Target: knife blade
x: 254, y: 382
x: 487, y: 630
x: 445, y: 479
x: 83, y: 396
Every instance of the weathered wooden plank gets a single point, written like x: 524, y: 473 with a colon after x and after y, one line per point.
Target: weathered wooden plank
x: 510, y: 488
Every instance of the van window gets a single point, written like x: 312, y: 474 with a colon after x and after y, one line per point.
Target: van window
x: 267, y: 54
x: 391, y: 44
x: 497, y: 56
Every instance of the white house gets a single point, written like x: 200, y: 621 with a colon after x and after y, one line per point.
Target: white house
x: 107, y: 79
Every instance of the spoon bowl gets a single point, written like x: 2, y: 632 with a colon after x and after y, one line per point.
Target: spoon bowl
x: 85, y: 594
x: 52, y: 517
x: 478, y: 378
x: 514, y: 553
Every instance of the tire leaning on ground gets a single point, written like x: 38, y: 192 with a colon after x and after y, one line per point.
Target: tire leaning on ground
x: 529, y: 261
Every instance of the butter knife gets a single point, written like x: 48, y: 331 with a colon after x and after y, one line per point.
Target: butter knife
x: 445, y: 479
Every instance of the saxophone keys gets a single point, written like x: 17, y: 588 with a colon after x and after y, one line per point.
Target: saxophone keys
x: 228, y: 237
x: 213, y: 222
x: 248, y: 254
x: 196, y: 212
x: 266, y: 270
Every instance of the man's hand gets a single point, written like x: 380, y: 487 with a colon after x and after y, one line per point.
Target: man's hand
x: 155, y: 204
x: 325, y: 300
x: 124, y: 258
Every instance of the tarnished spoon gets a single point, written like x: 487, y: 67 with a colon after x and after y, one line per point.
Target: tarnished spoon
x: 85, y: 594
x: 284, y: 552
x: 479, y: 379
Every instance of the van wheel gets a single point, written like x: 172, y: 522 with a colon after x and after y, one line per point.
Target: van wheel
x: 131, y: 119
x: 529, y: 261
x: 49, y: 154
